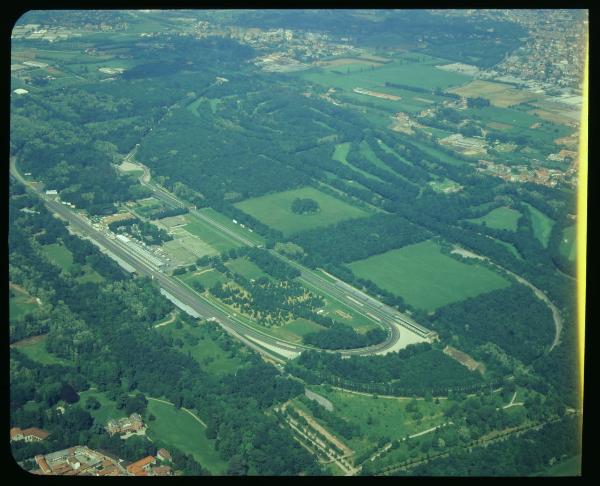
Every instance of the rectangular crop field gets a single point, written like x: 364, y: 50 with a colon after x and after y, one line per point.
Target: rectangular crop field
x: 499, y: 94
x: 426, y: 278
x: 275, y: 210
x: 499, y: 218
x: 179, y: 429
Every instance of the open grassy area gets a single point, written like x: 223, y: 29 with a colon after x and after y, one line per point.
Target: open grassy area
x: 108, y: 408
x: 34, y: 348
x: 426, y: 278
x: 245, y: 268
x: 571, y: 466
x: 179, y: 429
x: 499, y: 94
x: 20, y: 303
x: 568, y: 244
x: 58, y: 255
x: 206, y: 276
x: 341, y: 152
x: 380, y: 417
x: 275, y: 210
x: 209, y: 355
x: 207, y: 233
x: 499, y: 218
x: 542, y: 224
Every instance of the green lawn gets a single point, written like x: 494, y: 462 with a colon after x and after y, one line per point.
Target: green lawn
x: 207, y: 279
x: 380, y: 417
x: 275, y: 210
x: 499, y: 218
x: 36, y: 350
x: 542, y: 225
x: 108, y: 408
x: 20, y: 304
x: 301, y: 326
x: 245, y: 268
x: 58, y: 255
x: 177, y: 428
x: 426, y: 278
x: 208, y: 234
x: 570, y: 466
x: 209, y: 355
x: 568, y: 244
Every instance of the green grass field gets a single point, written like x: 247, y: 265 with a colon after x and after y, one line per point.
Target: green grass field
x: 568, y: 244
x: 209, y: 355
x: 275, y: 210
x: 20, y: 303
x: 245, y: 268
x: 207, y: 233
x: 341, y: 152
x: 58, y: 255
x: 179, y: 429
x: 426, y: 278
x: 571, y: 466
x: 510, y: 247
x: 542, y: 225
x: 380, y: 417
x: 229, y: 224
x: 206, y: 278
x: 499, y: 218
x: 108, y: 408
x: 35, y: 349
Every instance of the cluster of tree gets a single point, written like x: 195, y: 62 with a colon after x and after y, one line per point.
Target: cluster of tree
x: 512, y: 317
x: 305, y: 206
x: 272, y: 265
x: 417, y: 369
x: 162, y: 212
x: 478, y: 102
x: 146, y: 232
x: 533, y: 451
x: 343, y: 336
x: 269, y: 302
x: 377, y: 234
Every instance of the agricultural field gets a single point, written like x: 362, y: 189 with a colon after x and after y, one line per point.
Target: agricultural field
x: 568, y: 244
x: 20, y: 303
x: 499, y: 94
x: 499, y: 218
x: 542, y: 225
x: 426, y: 278
x: 177, y: 428
x: 275, y: 210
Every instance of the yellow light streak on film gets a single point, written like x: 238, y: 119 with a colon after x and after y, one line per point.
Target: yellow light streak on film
x: 582, y: 192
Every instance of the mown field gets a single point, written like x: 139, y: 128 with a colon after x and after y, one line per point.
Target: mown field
x: 205, y: 276
x: 341, y: 152
x: 275, y: 210
x: 179, y: 429
x: 245, y: 268
x: 542, y: 224
x: 426, y: 278
x: 568, y: 244
x: 499, y: 94
x: 380, y: 417
x: 34, y: 348
x: 499, y: 218
x: 205, y: 231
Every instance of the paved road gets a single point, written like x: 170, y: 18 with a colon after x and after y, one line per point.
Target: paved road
x: 363, y: 304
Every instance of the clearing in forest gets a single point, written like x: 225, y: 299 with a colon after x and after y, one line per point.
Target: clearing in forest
x: 425, y: 277
x: 499, y: 218
x: 275, y: 210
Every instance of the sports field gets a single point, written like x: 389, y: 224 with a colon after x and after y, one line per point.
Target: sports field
x: 177, y: 428
x: 426, y: 278
x: 499, y: 218
x: 568, y: 244
x: 542, y: 225
x: 275, y: 210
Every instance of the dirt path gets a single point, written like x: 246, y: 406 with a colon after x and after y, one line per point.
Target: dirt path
x: 172, y: 319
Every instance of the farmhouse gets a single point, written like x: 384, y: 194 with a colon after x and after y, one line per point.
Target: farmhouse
x: 32, y: 434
